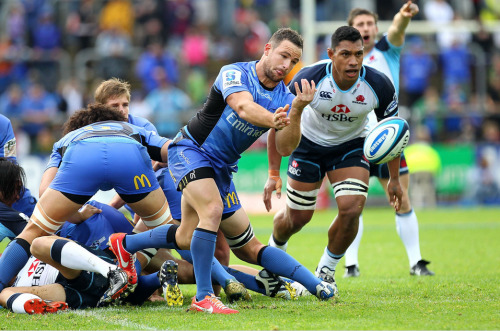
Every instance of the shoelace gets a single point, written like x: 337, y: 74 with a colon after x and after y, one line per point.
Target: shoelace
x: 217, y: 303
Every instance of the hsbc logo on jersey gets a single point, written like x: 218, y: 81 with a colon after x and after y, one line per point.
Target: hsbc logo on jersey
x: 292, y: 169
x: 339, y: 114
x: 325, y: 95
x: 341, y: 109
x: 36, y: 269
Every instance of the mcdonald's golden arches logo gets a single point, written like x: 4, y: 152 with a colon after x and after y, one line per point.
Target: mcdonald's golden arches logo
x: 232, y: 198
x: 142, y: 179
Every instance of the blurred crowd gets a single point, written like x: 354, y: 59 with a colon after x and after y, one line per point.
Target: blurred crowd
x: 53, y: 53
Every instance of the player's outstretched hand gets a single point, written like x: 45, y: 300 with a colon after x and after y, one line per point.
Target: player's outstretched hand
x: 273, y: 183
x: 409, y: 9
x: 395, y: 194
x: 304, y: 95
x: 280, y: 118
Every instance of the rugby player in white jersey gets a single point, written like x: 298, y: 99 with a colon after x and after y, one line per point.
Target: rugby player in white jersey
x: 384, y: 55
x: 333, y: 129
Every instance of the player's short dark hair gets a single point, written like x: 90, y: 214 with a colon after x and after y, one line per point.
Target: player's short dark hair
x: 96, y: 112
x: 287, y: 34
x: 345, y: 33
x: 12, y: 181
x: 360, y: 11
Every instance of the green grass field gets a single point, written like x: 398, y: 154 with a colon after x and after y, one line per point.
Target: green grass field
x: 463, y: 245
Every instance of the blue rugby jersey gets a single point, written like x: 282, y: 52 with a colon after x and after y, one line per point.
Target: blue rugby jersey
x: 109, y: 129
x: 217, y: 128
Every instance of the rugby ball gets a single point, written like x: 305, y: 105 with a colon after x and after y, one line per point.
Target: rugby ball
x: 387, y: 140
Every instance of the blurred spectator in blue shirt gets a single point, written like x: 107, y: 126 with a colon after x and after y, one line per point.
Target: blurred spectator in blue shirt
x: 168, y: 103
x: 417, y: 66
x: 153, y: 58
x: 38, y: 109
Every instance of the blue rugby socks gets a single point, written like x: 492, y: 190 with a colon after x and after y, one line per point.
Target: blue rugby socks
x: 202, y: 250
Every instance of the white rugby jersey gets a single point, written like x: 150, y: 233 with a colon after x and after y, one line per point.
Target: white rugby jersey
x: 385, y: 58
x: 336, y: 116
x: 36, y: 273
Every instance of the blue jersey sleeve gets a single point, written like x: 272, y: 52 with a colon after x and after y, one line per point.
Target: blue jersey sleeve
x: 392, y: 55
x: 7, y: 139
x: 142, y: 122
x: 231, y: 79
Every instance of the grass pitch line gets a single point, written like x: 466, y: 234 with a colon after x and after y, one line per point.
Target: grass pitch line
x: 103, y: 317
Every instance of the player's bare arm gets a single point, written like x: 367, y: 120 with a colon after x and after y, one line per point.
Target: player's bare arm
x: 47, y: 178
x: 274, y: 162
x: 288, y: 139
x: 396, y: 32
x: 394, y: 189
x: 244, y: 105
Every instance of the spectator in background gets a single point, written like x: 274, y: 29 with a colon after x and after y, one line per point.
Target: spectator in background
x: 483, y: 182
x: 167, y: 102
x: 12, y: 68
x: 195, y: 47
x: 15, y: 23
x: 10, y: 102
x: 196, y: 85
x: 114, y: 48
x: 179, y: 16
x: 284, y: 19
x: 117, y: 14
x: 149, y: 18
x: 429, y: 111
x: 81, y: 24
x: 258, y: 35
x: 154, y: 57
x: 438, y: 11
x: 455, y: 63
x: 484, y: 39
x: 46, y: 48
x: 38, y: 109
x: 417, y: 66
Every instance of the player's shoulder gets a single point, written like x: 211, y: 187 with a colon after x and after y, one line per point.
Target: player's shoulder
x: 376, y: 79
x: 384, y: 45
x: 315, y: 71
x: 4, y: 122
x: 239, y: 66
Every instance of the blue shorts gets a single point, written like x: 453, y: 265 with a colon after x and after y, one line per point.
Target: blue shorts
x: 382, y: 170
x: 310, y: 161
x: 231, y: 201
x: 102, y: 164
x: 85, y: 290
x: 185, y: 156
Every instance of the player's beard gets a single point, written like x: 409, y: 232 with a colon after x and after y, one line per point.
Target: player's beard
x: 271, y: 75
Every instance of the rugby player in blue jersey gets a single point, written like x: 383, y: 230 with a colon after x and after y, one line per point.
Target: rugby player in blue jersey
x: 334, y: 126
x: 26, y: 202
x: 245, y: 101
x: 12, y: 179
x: 116, y: 93
x: 91, y: 156
x: 384, y: 55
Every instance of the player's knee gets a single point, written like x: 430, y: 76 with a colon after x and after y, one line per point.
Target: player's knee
x: 37, y: 246
x: 298, y: 219
x: 213, y: 211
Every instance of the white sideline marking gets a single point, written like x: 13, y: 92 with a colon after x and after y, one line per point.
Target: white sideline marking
x: 102, y: 316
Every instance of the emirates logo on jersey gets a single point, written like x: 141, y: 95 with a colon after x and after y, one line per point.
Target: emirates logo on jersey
x: 341, y: 109
x: 33, y: 267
